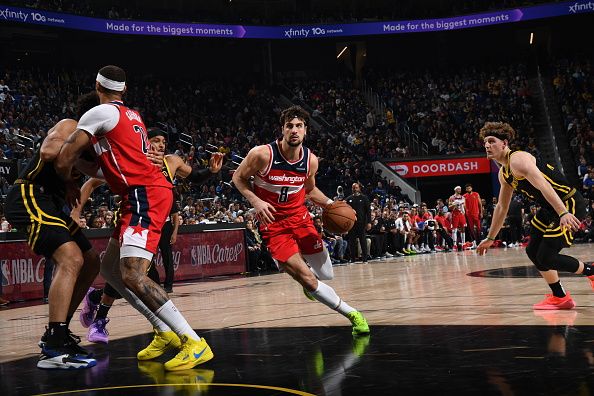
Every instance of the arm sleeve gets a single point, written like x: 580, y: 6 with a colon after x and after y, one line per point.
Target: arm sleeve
x: 199, y: 175
x: 99, y: 120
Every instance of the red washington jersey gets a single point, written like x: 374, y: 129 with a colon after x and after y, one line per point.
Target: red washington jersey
x: 282, y: 183
x: 122, y: 151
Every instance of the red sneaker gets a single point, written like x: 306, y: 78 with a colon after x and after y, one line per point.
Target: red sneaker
x: 552, y: 302
x: 591, y: 278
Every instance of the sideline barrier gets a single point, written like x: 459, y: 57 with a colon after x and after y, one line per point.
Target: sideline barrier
x: 288, y: 32
x: 200, y: 251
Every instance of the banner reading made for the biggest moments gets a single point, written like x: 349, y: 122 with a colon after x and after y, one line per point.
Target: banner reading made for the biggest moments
x: 293, y: 32
x: 195, y: 256
x: 441, y: 167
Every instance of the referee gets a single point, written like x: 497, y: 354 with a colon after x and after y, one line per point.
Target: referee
x: 360, y: 203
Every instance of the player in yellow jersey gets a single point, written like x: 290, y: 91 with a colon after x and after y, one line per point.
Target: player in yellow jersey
x: 552, y: 228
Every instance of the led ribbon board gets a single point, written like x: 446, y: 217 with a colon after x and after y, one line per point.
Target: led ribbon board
x: 291, y: 32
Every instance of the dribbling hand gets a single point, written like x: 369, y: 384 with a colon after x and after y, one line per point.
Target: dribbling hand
x: 264, y: 212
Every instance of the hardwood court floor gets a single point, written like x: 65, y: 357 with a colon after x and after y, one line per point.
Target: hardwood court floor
x: 447, y: 323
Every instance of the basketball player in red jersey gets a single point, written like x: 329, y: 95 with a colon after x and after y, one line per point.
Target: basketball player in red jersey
x: 457, y: 206
x: 284, y: 173
x: 118, y: 137
x: 474, y: 213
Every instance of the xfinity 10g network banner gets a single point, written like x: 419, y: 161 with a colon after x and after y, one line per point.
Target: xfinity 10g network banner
x: 68, y: 21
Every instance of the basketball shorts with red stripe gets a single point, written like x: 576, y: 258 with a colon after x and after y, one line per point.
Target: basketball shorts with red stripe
x: 458, y: 220
x: 291, y: 235
x: 143, y: 213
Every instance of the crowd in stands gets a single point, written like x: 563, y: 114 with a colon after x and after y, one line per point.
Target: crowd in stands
x: 573, y: 82
x: 445, y: 109
x: 275, y: 13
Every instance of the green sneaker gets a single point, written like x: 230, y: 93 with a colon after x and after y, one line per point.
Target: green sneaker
x: 359, y: 323
x: 360, y: 344
x: 308, y: 295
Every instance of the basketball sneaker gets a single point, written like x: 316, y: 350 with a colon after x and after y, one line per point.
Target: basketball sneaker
x: 591, y: 278
x: 63, y: 357
x: 308, y: 295
x: 360, y: 325
x: 551, y: 302
x: 87, y: 313
x: 162, y: 342
x: 97, y: 332
x: 192, y: 353
x: 73, y: 337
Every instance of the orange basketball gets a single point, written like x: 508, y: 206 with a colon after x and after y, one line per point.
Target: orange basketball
x: 339, y: 217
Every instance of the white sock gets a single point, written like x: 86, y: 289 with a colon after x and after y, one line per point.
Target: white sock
x: 327, y: 296
x: 455, y: 235
x: 463, y: 234
x: 169, y: 314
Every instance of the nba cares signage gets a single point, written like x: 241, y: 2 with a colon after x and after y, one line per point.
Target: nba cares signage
x: 195, y: 256
x: 441, y: 167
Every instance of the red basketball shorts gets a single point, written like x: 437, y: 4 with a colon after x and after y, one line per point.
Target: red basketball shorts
x: 291, y: 235
x: 458, y: 220
x: 143, y: 214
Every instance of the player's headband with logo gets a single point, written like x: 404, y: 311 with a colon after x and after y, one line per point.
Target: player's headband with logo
x: 110, y: 84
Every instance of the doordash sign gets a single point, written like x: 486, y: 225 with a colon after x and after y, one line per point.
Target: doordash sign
x: 441, y: 167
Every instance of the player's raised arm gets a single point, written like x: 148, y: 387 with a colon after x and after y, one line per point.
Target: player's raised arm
x: 256, y: 160
x: 193, y: 175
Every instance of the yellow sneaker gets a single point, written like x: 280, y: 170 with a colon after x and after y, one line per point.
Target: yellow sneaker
x: 192, y: 354
x: 162, y: 341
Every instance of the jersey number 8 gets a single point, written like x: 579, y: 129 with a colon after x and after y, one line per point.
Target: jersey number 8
x: 284, y: 194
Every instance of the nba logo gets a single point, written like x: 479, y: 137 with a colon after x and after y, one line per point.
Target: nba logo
x: 193, y: 256
x: 4, y: 272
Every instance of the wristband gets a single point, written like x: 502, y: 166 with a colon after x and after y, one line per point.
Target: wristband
x: 489, y: 238
x: 563, y: 214
x: 329, y: 202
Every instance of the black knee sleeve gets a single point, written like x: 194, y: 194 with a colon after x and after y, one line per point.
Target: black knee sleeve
x: 563, y: 263
x: 548, y: 255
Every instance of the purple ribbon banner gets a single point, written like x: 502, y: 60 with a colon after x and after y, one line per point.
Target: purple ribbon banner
x: 69, y: 21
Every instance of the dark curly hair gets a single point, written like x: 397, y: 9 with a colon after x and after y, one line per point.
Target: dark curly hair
x: 294, y: 112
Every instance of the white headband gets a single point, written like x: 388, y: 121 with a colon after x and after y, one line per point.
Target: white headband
x: 111, y: 84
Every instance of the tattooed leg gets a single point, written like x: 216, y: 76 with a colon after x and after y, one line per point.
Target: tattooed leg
x: 134, y: 277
